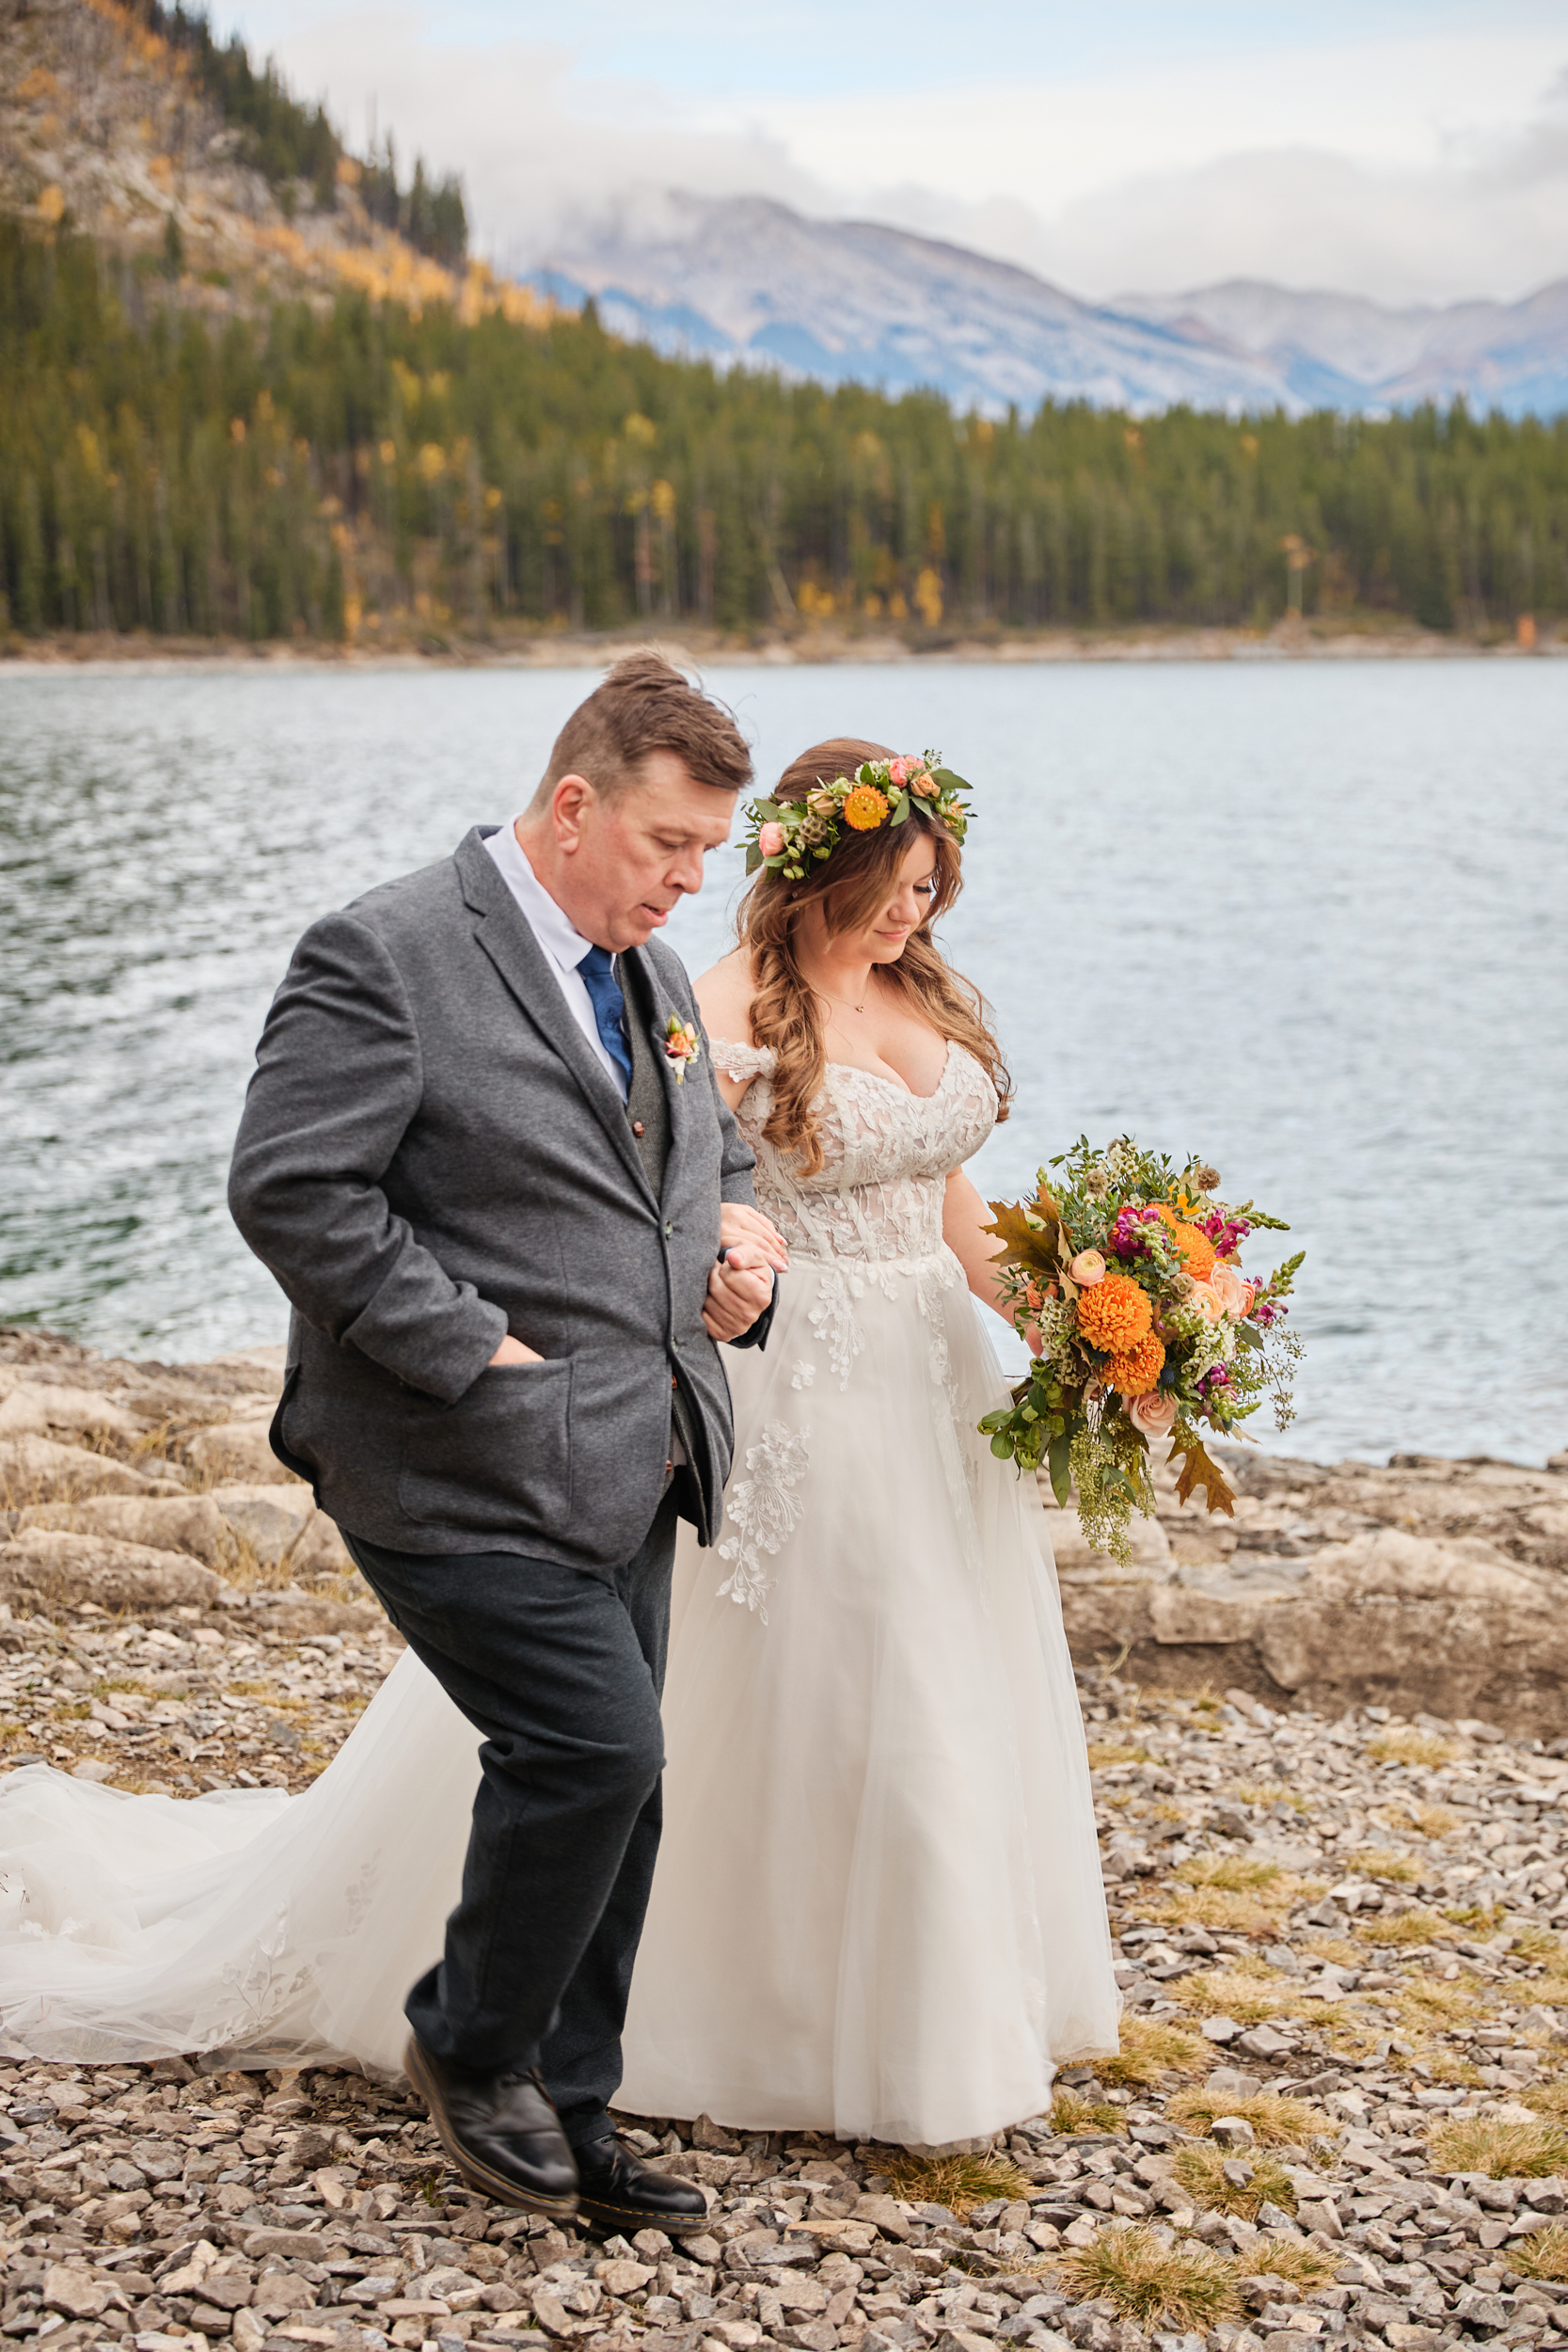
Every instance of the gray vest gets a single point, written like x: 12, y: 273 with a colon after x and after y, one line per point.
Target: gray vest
x: 648, y: 1110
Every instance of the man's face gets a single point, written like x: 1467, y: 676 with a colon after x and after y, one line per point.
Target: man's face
x: 623, y: 863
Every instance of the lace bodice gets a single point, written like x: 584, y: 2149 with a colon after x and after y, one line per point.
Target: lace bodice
x: 887, y: 1155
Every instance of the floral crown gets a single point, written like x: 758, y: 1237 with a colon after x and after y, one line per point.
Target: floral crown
x: 880, y: 792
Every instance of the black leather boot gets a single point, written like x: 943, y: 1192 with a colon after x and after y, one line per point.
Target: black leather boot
x: 501, y: 2131
x: 619, y: 2194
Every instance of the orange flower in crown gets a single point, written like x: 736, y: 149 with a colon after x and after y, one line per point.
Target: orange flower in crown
x: 788, y: 835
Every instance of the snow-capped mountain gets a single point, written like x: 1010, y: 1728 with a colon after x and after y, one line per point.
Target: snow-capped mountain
x: 747, y: 281
x: 1339, y: 351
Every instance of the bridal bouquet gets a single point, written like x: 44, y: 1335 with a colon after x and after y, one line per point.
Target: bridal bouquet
x: 1149, y: 1329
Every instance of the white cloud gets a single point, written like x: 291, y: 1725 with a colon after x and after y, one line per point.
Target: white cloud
x: 1422, y: 168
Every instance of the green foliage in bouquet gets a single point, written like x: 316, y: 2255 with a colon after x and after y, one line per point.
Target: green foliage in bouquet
x: 1128, y: 1268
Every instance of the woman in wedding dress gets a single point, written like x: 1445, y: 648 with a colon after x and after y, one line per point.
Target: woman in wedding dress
x: 877, y: 1909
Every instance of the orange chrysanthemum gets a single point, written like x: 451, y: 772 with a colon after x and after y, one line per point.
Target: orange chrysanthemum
x: 1136, y: 1369
x: 866, y: 808
x: 1114, y: 1314
x: 1195, y: 1249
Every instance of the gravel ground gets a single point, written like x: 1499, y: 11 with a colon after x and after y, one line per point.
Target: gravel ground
x: 1336, y: 2114
x: 1339, y: 2108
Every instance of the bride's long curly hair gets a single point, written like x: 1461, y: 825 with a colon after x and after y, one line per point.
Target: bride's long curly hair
x: 849, y: 887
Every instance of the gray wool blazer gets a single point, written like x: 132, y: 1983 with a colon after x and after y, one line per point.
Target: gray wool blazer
x: 432, y: 1156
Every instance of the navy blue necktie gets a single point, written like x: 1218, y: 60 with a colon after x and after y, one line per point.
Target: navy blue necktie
x: 609, y: 1008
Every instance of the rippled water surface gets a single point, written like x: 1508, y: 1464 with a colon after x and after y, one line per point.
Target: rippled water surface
x: 1307, y: 919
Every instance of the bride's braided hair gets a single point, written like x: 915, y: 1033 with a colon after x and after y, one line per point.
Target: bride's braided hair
x: 851, y: 886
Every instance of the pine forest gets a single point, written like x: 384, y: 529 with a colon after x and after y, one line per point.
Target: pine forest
x: 333, y: 469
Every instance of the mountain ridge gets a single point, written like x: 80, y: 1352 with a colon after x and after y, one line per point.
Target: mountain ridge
x: 747, y: 281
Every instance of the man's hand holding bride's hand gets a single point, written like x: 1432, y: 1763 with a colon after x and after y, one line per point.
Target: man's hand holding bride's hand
x: 511, y: 1351
x: 737, y: 1222
x: 738, y: 1289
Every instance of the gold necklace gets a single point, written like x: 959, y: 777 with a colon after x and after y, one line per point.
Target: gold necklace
x: 845, y: 1000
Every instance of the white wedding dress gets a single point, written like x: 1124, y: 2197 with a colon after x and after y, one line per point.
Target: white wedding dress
x: 877, y: 1909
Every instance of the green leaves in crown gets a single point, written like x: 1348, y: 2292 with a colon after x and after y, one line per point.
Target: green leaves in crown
x: 790, y: 835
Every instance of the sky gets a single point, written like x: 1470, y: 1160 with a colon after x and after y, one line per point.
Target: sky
x: 1411, y: 150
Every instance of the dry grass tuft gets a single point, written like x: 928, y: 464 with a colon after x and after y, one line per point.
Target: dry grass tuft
x: 1478, y: 1920
x: 1435, y: 1820
x: 1227, y: 1914
x: 1260, y: 2180
x: 1069, y: 2113
x: 1415, y: 1926
x: 1234, y: 1993
x: 1544, y: 2254
x: 1428, y: 2001
x: 1150, y: 2049
x: 1548, y: 2099
x: 1338, y: 1948
x: 245, y: 1568
x: 1382, y: 1862
x: 1186, y: 2287
x: 1103, y: 1751
x: 1279, y: 2122
x: 1403, y: 1744
x: 1269, y: 1792
x: 1291, y: 2258
x: 1534, y: 1942
x: 1507, y: 2152
x: 960, y: 2182
x: 1231, y: 1872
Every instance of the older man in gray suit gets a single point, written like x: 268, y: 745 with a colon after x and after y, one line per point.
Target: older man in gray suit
x: 485, y: 1155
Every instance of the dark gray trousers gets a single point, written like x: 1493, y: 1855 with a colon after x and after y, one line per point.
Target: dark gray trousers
x: 563, y: 1673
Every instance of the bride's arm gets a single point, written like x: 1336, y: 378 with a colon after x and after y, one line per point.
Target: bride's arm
x: 964, y: 1215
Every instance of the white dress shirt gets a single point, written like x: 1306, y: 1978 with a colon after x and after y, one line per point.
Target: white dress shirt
x: 561, y: 942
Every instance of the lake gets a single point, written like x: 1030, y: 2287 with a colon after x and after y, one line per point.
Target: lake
x: 1304, y: 919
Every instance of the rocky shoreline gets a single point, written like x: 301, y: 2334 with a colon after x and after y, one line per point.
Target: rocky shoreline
x: 1338, y: 2114
x: 1328, y: 637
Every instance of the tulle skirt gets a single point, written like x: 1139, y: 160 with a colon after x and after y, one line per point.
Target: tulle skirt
x: 879, y: 1908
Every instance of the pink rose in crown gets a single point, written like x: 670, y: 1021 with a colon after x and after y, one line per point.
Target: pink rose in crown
x: 1154, y: 1414
x: 901, y: 771
x: 770, y: 840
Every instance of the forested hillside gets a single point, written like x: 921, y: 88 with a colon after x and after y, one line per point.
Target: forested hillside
x: 339, y: 469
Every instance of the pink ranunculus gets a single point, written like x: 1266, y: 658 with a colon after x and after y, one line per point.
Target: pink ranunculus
x: 1207, y: 1300
x: 1087, y: 1269
x: 1232, y: 1288
x: 770, y: 840
x: 1154, y: 1414
x: 901, y: 771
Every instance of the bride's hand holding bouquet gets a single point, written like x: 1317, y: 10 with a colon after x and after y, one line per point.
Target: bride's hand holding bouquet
x: 1124, y: 1276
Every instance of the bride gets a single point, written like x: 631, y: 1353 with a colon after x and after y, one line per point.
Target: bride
x: 877, y: 1909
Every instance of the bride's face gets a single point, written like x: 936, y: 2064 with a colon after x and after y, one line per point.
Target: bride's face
x: 882, y: 939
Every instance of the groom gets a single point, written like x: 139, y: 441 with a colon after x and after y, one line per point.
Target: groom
x: 491, y: 1169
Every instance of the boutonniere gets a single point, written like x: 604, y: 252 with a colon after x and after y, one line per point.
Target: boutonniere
x: 681, y: 1046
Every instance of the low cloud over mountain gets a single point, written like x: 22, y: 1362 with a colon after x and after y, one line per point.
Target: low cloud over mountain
x: 747, y: 281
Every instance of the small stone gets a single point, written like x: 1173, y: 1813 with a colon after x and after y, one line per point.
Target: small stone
x: 1229, y: 2082
x: 1219, y: 2029
x: 1262, y: 2041
x: 1232, y: 2131
x: 75, y: 2293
